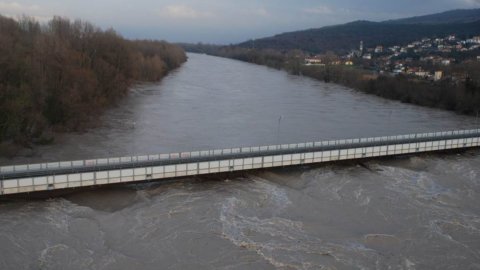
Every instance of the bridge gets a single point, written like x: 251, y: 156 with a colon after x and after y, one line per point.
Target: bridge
x: 45, y: 177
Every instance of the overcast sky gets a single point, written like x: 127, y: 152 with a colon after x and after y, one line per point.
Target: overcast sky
x: 223, y: 21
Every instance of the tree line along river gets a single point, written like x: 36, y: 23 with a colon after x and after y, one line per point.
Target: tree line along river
x: 404, y: 213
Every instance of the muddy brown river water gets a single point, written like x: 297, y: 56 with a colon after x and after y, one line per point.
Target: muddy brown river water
x: 411, y: 212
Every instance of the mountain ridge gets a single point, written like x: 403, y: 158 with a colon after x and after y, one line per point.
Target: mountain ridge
x: 450, y: 16
x: 345, y: 37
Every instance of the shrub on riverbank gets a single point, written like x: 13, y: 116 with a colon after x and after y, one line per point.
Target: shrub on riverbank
x: 459, y: 96
x: 61, y: 75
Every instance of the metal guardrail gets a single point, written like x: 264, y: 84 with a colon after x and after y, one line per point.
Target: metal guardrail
x: 65, y: 167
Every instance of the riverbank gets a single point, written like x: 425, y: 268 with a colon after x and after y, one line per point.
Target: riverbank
x: 213, y: 103
x: 61, y: 76
x: 460, y: 96
x: 276, y: 216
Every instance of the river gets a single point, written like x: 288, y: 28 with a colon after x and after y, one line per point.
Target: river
x: 403, y: 213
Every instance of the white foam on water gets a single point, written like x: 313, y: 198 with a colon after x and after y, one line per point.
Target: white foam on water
x: 415, y: 185
x: 60, y: 212
x: 268, y: 236
x: 275, y: 195
x: 409, y: 265
x: 460, y: 168
x: 46, y: 254
x: 361, y: 197
x: 283, y: 242
x: 282, y: 234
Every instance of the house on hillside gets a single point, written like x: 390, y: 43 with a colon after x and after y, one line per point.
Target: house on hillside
x: 367, y: 56
x: 446, y: 62
x: 313, y: 61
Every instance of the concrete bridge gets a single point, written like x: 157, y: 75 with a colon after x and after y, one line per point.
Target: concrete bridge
x: 53, y: 176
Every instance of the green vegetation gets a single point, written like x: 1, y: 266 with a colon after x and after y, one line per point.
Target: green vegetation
x: 61, y: 75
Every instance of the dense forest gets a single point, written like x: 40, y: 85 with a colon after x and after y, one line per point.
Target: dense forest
x: 451, y: 16
x: 60, y: 75
x: 341, y: 39
x: 459, y: 96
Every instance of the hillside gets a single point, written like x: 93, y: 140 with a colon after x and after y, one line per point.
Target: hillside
x: 345, y: 37
x: 452, y: 16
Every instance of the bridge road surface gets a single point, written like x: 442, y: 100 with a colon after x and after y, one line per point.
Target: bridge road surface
x: 84, y: 173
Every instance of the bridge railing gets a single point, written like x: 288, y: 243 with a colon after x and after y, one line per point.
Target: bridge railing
x: 224, y: 152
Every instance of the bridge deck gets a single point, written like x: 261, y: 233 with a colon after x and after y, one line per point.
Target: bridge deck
x: 69, y: 174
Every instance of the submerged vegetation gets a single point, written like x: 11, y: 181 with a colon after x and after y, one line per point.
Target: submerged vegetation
x: 60, y: 75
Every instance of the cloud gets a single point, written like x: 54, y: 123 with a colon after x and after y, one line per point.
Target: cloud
x: 223, y: 21
x: 318, y: 10
x: 15, y: 7
x: 183, y: 12
x: 472, y: 2
x: 16, y: 10
x: 261, y: 12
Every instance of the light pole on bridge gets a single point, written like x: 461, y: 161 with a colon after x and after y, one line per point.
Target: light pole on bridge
x: 278, y: 129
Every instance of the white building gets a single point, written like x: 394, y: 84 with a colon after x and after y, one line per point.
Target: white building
x: 422, y: 74
x: 313, y: 61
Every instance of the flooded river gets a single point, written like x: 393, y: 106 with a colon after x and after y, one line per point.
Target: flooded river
x: 404, y: 213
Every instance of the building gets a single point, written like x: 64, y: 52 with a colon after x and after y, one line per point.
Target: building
x: 438, y: 75
x: 379, y: 49
x: 394, y: 48
x: 397, y: 71
x: 446, y: 62
x: 474, y: 47
x: 313, y: 61
x: 422, y: 74
x: 367, y: 56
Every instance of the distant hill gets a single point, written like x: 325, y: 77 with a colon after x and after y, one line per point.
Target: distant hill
x: 345, y: 37
x: 452, y: 16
